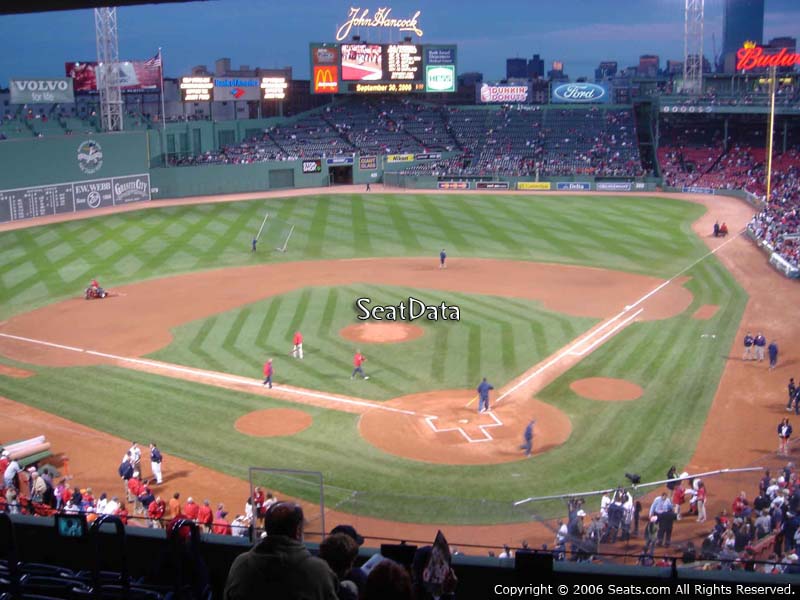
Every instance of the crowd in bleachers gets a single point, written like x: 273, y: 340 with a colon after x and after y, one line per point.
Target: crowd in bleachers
x: 696, y: 156
x: 786, y: 94
x: 487, y: 142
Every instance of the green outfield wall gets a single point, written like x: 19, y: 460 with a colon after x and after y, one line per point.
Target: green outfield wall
x: 72, y: 158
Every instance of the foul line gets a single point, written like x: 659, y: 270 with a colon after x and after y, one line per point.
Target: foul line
x: 212, y: 375
x: 487, y: 437
x: 606, y: 335
x: 628, y: 308
x: 570, y: 350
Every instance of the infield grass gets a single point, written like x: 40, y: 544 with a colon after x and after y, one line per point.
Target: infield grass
x: 678, y: 368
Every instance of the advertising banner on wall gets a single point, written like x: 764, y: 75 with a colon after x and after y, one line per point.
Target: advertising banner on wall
x: 36, y: 91
x: 579, y: 93
x: 533, y: 185
x: 62, y: 198
x: 491, y: 185
x: 429, y: 156
x: 393, y: 158
x: 133, y: 75
x: 440, y: 78
x: 236, y: 88
x: 312, y: 166
x: 573, y: 186
x: 613, y: 186
x: 340, y: 160
x: 326, y: 79
x: 487, y: 93
x: 367, y: 163
x: 453, y: 185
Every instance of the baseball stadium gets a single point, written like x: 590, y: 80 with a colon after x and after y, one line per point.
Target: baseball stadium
x: 443, y: 332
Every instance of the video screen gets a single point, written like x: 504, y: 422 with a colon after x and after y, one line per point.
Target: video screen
x: 362, y: 62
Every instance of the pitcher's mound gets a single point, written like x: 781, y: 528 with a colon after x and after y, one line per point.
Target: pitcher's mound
x: 606, y: 389
x: 273, y: 422
x: 381, y: 333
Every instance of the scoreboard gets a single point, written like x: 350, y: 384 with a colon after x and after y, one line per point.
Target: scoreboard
x: 361, y: 68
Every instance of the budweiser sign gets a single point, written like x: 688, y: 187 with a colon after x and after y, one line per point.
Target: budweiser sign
x: 753, y: 57
x: 358, y: 17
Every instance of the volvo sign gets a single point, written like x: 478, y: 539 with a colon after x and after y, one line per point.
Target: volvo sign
x: 571, y: 93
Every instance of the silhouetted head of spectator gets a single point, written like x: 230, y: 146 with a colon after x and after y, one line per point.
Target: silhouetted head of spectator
x: 285, y: 518
x: 339, y: 550
x: 388, y: 581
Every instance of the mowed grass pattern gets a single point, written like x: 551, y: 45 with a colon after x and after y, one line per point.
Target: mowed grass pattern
x: 496, y: 337
x: 678, y: 368
x: 43, y: 264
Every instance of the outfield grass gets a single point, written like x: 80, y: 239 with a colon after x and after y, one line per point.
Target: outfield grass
x: 678, y: 369
x: 52, y: 262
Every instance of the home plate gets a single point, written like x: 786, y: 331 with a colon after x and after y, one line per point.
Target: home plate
x: 463, y: 420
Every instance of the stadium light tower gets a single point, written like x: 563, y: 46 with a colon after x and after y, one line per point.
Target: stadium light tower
x: 108, y: 83
x: 693, y: 47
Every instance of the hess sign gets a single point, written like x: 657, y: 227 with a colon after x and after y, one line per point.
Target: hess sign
x: 751, y: 56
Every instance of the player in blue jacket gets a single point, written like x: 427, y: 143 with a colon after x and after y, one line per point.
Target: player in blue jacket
x: 483, y: 395
x: 528, y: 436
x: 442, y: 258
x: 748, y: 347
x: 773, y: 354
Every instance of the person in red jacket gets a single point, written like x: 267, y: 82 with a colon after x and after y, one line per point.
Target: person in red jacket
x: 259, y: 510
x: 297, y: 352
x: 678, y: 498
x: 205, y: 517
x: 191, y: 509
x: 122, y: 513
x: 268, y: 373
x: 156, y: 512
x: 134, y: 489
x: 358, y: 360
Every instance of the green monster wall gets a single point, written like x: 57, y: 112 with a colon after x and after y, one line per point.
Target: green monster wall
x: 31, y: 162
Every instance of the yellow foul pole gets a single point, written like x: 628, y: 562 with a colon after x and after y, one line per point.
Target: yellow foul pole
x: 772, y: 85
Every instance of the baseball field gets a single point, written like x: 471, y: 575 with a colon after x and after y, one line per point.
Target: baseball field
x: 605, y: 318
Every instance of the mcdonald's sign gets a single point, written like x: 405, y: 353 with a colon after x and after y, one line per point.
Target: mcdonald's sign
x: 326, y: 80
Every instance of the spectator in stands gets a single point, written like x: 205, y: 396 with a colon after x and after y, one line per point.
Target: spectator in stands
x: 156, y: 512
x: 240, y: 526
x: 355, y: 575
x: 205, y: 518
x: 10, y: 476
x: 220, y: 525
x: 280, y: 566
x: 191, y: 509
x: 388, y: 581
x: 174, y: 506
x: 340, y: 550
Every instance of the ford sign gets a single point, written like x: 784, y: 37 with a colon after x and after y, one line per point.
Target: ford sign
x: 579, y: 92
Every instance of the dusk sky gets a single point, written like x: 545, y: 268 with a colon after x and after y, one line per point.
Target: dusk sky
x: 580, y: 33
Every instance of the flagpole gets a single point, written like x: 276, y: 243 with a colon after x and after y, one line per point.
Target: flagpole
x: 163, y: 109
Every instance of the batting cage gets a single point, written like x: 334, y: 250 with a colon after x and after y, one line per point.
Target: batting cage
x: 274, y: 233
x: 305, y: 487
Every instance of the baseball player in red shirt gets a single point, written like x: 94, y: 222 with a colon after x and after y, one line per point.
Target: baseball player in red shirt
x: 358, y: 360
x: 297, y: 352
x: 268, y: 373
